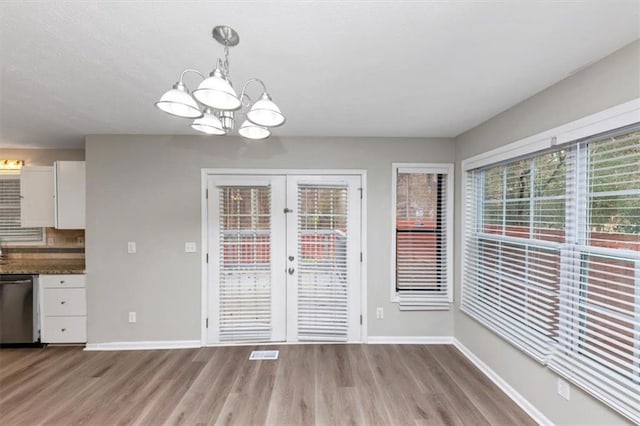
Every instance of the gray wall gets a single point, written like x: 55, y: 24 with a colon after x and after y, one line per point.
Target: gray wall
x: 611, y: 81
x: 147, y: 189
x: 41, y: 157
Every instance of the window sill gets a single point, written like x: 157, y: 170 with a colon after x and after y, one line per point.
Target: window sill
x: 421, y: 303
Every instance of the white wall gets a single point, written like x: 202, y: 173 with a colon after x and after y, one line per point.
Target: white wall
x: 611, y: 81
x: 147, y: 189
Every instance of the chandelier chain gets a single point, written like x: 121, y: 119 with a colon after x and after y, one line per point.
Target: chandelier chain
x: 226, y: 61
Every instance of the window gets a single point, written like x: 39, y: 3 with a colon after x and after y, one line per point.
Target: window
x: 515, y: 235
x: 10, y: 230
x: 552, y: 260
x: 422, y: 221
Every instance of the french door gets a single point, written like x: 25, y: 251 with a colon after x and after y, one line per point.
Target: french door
x: 284, y: 258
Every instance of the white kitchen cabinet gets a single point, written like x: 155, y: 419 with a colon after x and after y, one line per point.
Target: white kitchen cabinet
x: 63, y: 308
x: 69, y: 184
x: 36, y: 197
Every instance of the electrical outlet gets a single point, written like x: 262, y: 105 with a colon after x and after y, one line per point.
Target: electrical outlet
x: 190, y: 247
x: 131, y: 247
x: 563, y: 389
x: 379, y: 313
x: 132, y: 317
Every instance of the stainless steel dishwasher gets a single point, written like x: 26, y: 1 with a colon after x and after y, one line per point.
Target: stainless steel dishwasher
x: 17, y: 310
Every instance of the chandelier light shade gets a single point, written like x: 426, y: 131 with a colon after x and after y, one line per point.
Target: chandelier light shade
x: 178, y: 102
x: 250, y: 130
x: 265, y: 113
x: 209, y: 124
x: 215, y: 105
x: 217, y: 93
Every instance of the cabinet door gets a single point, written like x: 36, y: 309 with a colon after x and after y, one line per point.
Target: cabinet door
x: 70, y: 194
x: 36, y: 197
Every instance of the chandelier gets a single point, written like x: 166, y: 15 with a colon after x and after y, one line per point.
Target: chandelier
x: 217, y: 105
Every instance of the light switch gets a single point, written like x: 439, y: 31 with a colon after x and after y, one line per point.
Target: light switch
x: 131, y: 247
x: 190, y: 247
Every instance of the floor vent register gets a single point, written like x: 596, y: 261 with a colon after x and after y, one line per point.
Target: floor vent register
x: 263, y: 355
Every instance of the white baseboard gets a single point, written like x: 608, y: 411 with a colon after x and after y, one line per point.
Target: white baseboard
x: 529, y: 408
x: 411, y: 340
x: 142, y: 346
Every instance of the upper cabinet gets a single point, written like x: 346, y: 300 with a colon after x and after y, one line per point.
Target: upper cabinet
x: 53, y: 196
x: 69, y: 184
x: 36, y: 197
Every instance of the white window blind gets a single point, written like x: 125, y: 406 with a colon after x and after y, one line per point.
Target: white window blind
x: 599, y: 321
x: 10, y: 229
x: 245, y: 265
x: 552, y: 260
x: 514, y: 234
x: 422, y: 219
x: 322, y: 262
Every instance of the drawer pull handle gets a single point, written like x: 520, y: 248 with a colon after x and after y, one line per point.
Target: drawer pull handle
x: 61, y: 281
x: 63, y: 330
x: 63, y: 302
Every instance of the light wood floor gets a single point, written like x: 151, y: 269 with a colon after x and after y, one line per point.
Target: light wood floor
x: 309, y: 384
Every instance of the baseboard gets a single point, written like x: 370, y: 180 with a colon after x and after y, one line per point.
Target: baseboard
x: 142, y: 346
x: 182, y: 344
x: 410, y: 340
x: 529, y: 408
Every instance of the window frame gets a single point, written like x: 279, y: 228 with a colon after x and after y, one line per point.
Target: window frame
x: 430, y: 300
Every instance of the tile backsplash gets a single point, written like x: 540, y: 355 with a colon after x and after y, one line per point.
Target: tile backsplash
x: 60, y: 244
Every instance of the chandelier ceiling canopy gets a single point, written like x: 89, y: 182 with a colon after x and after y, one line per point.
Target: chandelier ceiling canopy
x: 214, y: 105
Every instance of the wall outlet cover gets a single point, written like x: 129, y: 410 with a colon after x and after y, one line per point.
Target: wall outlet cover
x: 190, y: 247
x: 379, y: 313
x: 131, y: 247
x: 132, y: 317
x: 563, y: 389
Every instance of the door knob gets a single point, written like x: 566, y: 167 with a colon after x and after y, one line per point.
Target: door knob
x: 291, y: 258
x: 291, y: 271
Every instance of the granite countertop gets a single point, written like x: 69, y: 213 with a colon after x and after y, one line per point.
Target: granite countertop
x: 42, y: 266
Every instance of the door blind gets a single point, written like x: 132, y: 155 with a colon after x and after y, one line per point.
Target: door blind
x: 322, y: 262
x: 245, y: 263
x: 10, y: 229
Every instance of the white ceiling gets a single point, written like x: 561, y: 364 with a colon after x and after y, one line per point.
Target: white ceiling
x: 351, y: 68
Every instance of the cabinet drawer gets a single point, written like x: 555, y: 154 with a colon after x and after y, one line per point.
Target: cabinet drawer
x: 64, y: 301
x: 64, y: 329
x: 63, y: 281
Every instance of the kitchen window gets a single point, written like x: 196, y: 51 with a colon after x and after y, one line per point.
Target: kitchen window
x: 422, y: 231
x: 10, y: 229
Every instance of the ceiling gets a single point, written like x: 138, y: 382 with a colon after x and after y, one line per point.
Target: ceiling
x: 350, y: 68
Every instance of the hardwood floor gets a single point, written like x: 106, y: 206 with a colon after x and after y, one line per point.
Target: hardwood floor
x: 308, y: 384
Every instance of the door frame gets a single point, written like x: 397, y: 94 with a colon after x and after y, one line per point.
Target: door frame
x: 204, y: 244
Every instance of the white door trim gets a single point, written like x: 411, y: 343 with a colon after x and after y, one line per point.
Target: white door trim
x: 204, y: 174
